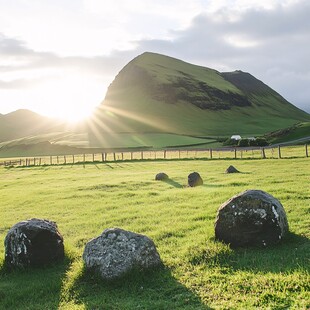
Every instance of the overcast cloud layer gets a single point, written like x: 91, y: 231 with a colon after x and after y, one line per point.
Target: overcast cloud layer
x: 270, y: 42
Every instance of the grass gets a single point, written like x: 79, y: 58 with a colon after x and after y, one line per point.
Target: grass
x: 77, y: 143
x: 199, y: 272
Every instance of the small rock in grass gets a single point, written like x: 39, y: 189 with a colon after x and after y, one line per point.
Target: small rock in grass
x: 161, y: 176
x: 231, y: 169
x: 194, y: 179
x: 251, y: 218
x: 116, y: 252
x: 34, y: 242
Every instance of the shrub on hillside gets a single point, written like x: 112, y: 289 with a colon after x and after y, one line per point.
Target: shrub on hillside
x: 243, y: 142
x: 258, y: 142
x: 230, y: 142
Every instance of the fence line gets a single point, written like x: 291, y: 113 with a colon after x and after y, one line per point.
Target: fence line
x: 128, y: 155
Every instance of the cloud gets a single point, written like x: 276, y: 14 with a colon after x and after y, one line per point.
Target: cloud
x: 20, y: 65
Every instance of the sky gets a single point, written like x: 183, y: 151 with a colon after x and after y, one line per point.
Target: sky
x: 58, y: 57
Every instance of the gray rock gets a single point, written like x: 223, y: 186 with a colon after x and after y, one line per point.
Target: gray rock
x: 251, y: 218
x: 33, y: 242
x: 194, y: 179
x: 231, y: 169
x: 161, y: 176
x: 116, y: 252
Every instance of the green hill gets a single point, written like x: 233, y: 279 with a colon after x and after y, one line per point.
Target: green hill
x: 22, y: 123
x: 156, y: 93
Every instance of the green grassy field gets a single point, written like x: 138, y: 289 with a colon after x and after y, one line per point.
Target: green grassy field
x: 199, y: 272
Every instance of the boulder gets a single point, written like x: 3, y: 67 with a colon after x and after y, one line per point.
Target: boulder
x: 33, y: 242
x: 194, y: 179
x: 161, y: 176
x: 251, y: 218
x: 116, y: 252
x: 231, y: 169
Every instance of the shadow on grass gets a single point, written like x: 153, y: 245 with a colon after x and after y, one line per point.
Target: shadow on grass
x: 32, y: 288
x: 156, y: 289
x: 173, y: 183
x: 290, y: 255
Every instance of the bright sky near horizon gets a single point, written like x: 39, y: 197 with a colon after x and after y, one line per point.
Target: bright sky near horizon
x: 58, y: 57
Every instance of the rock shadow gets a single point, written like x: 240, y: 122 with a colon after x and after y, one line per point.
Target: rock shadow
x: 173, y: 183
x: 33, y: 287
x: 155, y: 289
x: 290, y: 255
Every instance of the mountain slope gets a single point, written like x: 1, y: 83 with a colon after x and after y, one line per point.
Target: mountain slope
x: 157, y: 93
x: 23, y: 123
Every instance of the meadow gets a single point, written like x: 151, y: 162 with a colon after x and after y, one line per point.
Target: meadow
x: 198, y: 272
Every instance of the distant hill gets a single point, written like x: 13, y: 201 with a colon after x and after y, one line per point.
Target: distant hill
x: 22, y: 123
x: 157, y: 93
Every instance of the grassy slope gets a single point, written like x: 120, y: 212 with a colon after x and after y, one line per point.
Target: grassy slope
x: 137, y: 94
x: 296, y: 132
x: 199, y: 272
x: 22, y: 123
x: 61, y: 143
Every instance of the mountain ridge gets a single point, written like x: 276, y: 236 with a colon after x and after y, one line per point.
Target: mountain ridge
x: 161, y: 93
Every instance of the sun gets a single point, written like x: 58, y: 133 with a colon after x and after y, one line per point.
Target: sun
x: 70, y: 98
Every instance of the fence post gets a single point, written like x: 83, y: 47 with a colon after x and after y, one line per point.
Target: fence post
x: 51, y: 160
x: 263, y: 153
x: 114, y: 156
x: 72, y: 158
x: 307, y: 154
x: 210, y: 153
x: 164, y: 154
x: 102, y: 157
x: 84, y: 158
x: 40, y: 161
x: 65, y: 159
x: 235, y: 153
x: 279, y: 151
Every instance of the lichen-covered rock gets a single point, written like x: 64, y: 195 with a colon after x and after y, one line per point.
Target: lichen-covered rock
x: 116, y: 252
x: 34, y: 242
x: 251, y: 218
x: 231, y: 169
x: 194, y: 179
x: 161, y: 176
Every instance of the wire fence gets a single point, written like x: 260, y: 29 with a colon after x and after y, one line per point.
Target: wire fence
x: 165, y: 154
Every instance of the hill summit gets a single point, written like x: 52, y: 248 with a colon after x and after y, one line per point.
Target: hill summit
x: 157, y: 93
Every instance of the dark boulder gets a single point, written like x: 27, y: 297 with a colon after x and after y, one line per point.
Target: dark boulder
x: 231, y: 169
x: 161, y: 176
x: 194, y: 179
x: 116, y: 252
x: 33, y: 242
x: 251, y: 218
